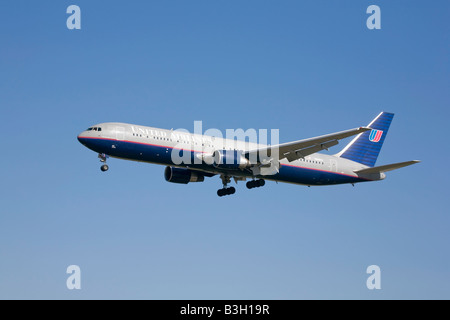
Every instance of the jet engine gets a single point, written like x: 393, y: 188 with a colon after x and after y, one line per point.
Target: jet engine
x: 181, y: 175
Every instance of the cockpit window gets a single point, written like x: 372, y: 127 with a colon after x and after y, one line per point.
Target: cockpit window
x: 94, y: 128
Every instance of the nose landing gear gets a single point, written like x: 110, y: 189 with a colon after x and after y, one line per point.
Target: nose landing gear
x: 103, y: 158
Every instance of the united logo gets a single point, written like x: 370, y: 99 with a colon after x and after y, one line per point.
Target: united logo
x: 375, y: 135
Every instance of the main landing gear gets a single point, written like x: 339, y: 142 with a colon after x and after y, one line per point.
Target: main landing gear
x: 103, y: 158
x: 255, y: 183
x: 225, y: 191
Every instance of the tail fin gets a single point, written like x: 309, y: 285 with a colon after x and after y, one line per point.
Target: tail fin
x: 365, y: 147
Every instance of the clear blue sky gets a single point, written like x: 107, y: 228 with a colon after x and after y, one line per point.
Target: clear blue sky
x: 304, y: 67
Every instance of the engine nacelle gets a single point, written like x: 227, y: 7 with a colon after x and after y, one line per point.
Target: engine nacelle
x: 230, y: 159
x: 181, y: 175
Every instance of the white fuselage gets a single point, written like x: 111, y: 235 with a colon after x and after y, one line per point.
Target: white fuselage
x: 167, y: 147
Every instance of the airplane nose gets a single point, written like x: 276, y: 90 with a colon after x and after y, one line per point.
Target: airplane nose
x: 80, y: 137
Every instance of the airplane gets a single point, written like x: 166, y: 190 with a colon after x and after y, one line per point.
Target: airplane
x: 297, y: 162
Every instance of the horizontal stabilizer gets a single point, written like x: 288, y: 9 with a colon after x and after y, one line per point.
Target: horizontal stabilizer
x: 387, y: 167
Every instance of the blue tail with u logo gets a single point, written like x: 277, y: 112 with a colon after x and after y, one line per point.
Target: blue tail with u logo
x: 366, y: 147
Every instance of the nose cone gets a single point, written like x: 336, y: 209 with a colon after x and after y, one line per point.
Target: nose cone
x: 81, y: 139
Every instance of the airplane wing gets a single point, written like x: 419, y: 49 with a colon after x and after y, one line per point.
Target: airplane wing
x: 299, y: 149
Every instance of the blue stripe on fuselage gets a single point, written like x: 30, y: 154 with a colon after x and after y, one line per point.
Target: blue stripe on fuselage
x: 138, y: 151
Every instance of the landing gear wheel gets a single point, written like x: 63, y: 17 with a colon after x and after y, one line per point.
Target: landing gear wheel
x: 226, y: 191
x: 104, y: 167
x: 255, y: 183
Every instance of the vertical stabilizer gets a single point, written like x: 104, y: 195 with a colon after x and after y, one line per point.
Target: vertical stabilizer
x: 365, y: 147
